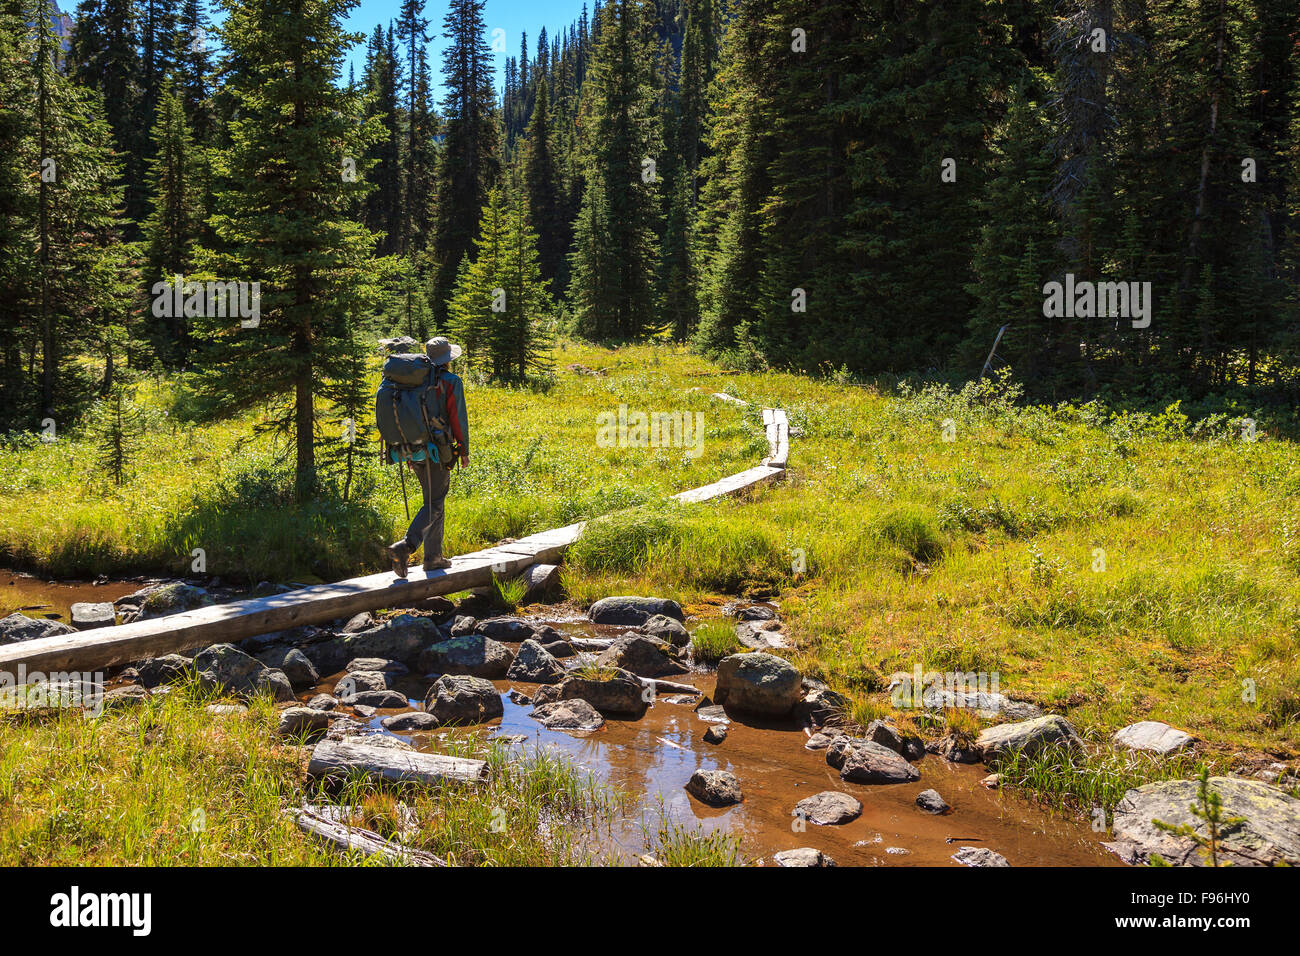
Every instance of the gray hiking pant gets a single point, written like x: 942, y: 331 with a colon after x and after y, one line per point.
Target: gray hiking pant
x: 434, y: 479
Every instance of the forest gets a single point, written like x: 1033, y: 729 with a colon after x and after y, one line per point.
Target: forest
x: 862, y: 188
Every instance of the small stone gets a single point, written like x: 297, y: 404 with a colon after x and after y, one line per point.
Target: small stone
x: 716, y: 734
x: 414, y: 720
x: 323, y: 702
x: 572, y: 716
x: 87, y: 616
x: 803, y: 856
x: 379, y: 699
x: 828, y: 808
x: 535, y: 665
x: 822, y: 739
x: 357, y: 681
x: 1153, y: 736
x: 378, y: 665
x: 992, y: 782
x: 297, y: 721
x: 979, y: 856
x: 717, y: 788
x: 225, y: 710
x: 931, y: 802
x: 122, y: 696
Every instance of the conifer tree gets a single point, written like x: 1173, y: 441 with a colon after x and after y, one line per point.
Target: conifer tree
x: 177, y: 183
x: 281, y: 220
x: 613, y: 261
x: 470, y: 162
x: 500, y: 310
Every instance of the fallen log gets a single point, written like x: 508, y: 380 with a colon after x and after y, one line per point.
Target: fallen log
x: 312, y: 821
x: 336, y: 759
x: 669, y: 687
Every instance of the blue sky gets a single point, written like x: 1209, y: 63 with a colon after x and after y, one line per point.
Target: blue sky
x: 512, y: 16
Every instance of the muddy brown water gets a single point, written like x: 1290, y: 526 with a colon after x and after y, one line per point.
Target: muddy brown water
x: 38, y: 598
x: 652, y: 758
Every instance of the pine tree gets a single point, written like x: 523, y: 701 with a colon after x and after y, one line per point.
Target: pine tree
x: 500, y: 309
x: 282, y: 219
x: 411, y: 32
x: 545, y: 196
x: 470, y: 163
x: 177, y: 182
x: 613, y: 261
x: 76, y: 208
x: 382, y: 209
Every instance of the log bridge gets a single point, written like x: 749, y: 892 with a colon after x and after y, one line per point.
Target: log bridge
x: 123, y: 644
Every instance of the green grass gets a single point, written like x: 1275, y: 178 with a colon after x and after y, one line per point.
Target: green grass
x: 714, y: 640
x: 167, y: 783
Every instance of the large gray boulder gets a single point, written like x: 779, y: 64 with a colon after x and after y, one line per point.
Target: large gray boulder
x: 399, y: 639
x: 642, y: 656
x: 759, y: 684
x: 633, y: 611
x: 618, y: 694
x: 19, y: 627
x: 463, y: 699
x: 1269, y: 833
x: 174, y: 598
x: 866, y: 761
x: 474, y: 654
x: 534, y: 665
x: 1153, y: 736
x: 1026, y: 736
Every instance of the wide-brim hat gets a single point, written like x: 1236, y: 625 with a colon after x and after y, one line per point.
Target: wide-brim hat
x: 441, y: 351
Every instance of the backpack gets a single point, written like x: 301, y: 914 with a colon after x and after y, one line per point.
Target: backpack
x: 411, y: 411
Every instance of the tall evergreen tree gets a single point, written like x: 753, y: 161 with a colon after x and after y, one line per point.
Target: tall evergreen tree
x: 470, y: 162
x: 613, y: 263
x: 282, y: 219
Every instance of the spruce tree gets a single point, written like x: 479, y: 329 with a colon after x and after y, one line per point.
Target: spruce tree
x: 470, y: 163
x: 282, y: 219
x: 613, y: 262
x: 176, y: 182
x: 500, y: 309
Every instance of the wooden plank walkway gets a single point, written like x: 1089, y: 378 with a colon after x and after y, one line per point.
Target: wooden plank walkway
x: 229, y: 623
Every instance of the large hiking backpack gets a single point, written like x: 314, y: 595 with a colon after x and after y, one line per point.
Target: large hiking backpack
x: 411, y: 411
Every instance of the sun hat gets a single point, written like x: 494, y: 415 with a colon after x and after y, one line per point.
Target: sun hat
x: 441, y: 351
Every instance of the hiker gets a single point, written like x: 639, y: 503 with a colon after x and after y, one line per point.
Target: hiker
x: 446, y: 400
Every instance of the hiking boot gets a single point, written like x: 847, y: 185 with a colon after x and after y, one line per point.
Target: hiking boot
x: 400, y: 552
x: 436, y: 564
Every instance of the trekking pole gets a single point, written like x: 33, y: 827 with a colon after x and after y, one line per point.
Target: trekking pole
x: 401, y: 474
